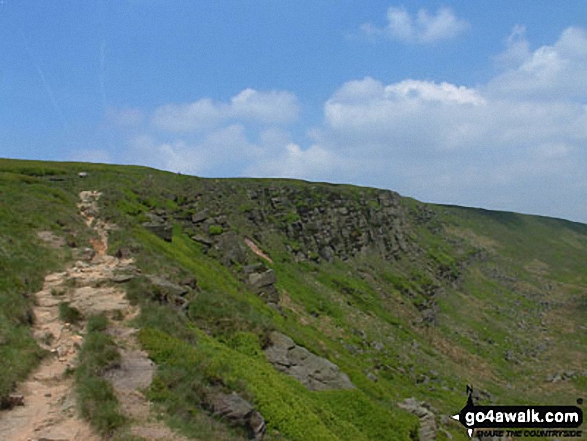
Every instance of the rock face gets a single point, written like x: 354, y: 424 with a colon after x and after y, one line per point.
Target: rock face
x: 159, y: 225
x: 316, y: 373
x: 239, y: 412
x: 428, y: 427
x: 325, y: 223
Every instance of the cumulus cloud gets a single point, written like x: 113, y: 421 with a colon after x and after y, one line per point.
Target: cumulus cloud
x: 421, y: 29
x: 517, y: 142
x: 293, y: 162
x: 250, y: 105
x: 217, y: 153
x: 555, y: 72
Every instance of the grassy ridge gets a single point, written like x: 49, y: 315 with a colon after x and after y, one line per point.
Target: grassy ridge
x: 507, y: 292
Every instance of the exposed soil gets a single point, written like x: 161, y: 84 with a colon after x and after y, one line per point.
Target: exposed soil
x: 49, y: 411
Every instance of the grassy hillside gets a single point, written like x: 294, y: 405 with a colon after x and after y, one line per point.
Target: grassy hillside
x: 408, y: 299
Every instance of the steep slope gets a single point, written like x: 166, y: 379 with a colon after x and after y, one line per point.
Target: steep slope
x: 404, y: 299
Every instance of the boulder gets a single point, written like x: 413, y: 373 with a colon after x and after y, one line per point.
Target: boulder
x: 314, y: 372
x: 163, y: 230
x: 168, y: 287
x: 260, y: 280
x: 428, y: 427
x: 203, y: 240
x: 200, y: 216
x: 239, y: 412
x: 253, y: 268
x: 231, y: 249
x: 122, y: 278
x: 123, y: 253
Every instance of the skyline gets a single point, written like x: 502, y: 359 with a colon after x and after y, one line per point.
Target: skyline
x: 448, y: 102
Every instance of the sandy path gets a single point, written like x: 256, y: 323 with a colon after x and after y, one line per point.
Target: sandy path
x: 49, y: 412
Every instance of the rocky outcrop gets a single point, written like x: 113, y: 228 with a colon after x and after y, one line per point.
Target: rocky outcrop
x: 326, y: 223
x: 428, y: 427
x: 316, y: 373
x: 240, y: 412
x: 168, y: 292
x: 159, y: 226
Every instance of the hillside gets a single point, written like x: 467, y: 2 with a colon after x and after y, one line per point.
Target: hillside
x: 325, y: 307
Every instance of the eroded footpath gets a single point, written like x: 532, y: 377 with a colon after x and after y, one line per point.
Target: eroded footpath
x: 91, y: 285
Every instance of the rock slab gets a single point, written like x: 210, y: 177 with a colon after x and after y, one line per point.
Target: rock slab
x: 240, y: 412
x: 314, y: 372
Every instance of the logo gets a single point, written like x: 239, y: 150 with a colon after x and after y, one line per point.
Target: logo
x: 520, y: 421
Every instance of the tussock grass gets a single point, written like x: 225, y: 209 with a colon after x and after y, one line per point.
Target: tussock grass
x: 69, y: 314
x: 96, y: 398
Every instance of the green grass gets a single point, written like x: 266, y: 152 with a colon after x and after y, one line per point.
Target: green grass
x: 96, y: 398
x: 188, y: 374
x: 28, y: 204
x: 501, y: 281
x: 69, y: 314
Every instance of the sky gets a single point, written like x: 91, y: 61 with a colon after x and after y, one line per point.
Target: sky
x: 472, y: 103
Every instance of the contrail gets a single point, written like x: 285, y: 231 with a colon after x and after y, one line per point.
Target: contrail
x: 45, y: 83
x: 103, y: 72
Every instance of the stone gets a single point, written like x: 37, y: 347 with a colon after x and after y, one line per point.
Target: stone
x: 428, y: 428
x: 231, y: 249
x: 327, y: 253
x: 123, y: 253
x: 168, y: 287
x: 260, y: 280
x: 314, y: 372
x: 378, y: 346
x: 239, y: 412
x: 372, y: 377
x: 155, y: 218
x: 164, y: 230
x: 200, y: 216
x: 203, y: 240
x: 253, y: 268
x: 121, y: 278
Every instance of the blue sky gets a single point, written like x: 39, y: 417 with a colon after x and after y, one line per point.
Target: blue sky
x: 471, y: 103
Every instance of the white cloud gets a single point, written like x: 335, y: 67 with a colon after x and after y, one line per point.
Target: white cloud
x: 430, y: 91
x: 409, y: 114
x: 250, y: 105
x: 517, y: 49
x: 215, y: 154
x: 421, y: 29
x: 518, y: 142
x: 293, y: 162
x: 554, y: 72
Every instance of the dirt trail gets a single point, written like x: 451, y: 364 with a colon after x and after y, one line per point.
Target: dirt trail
x: 49, y: 412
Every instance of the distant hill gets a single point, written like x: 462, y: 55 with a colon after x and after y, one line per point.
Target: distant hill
x: 323, y: 307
